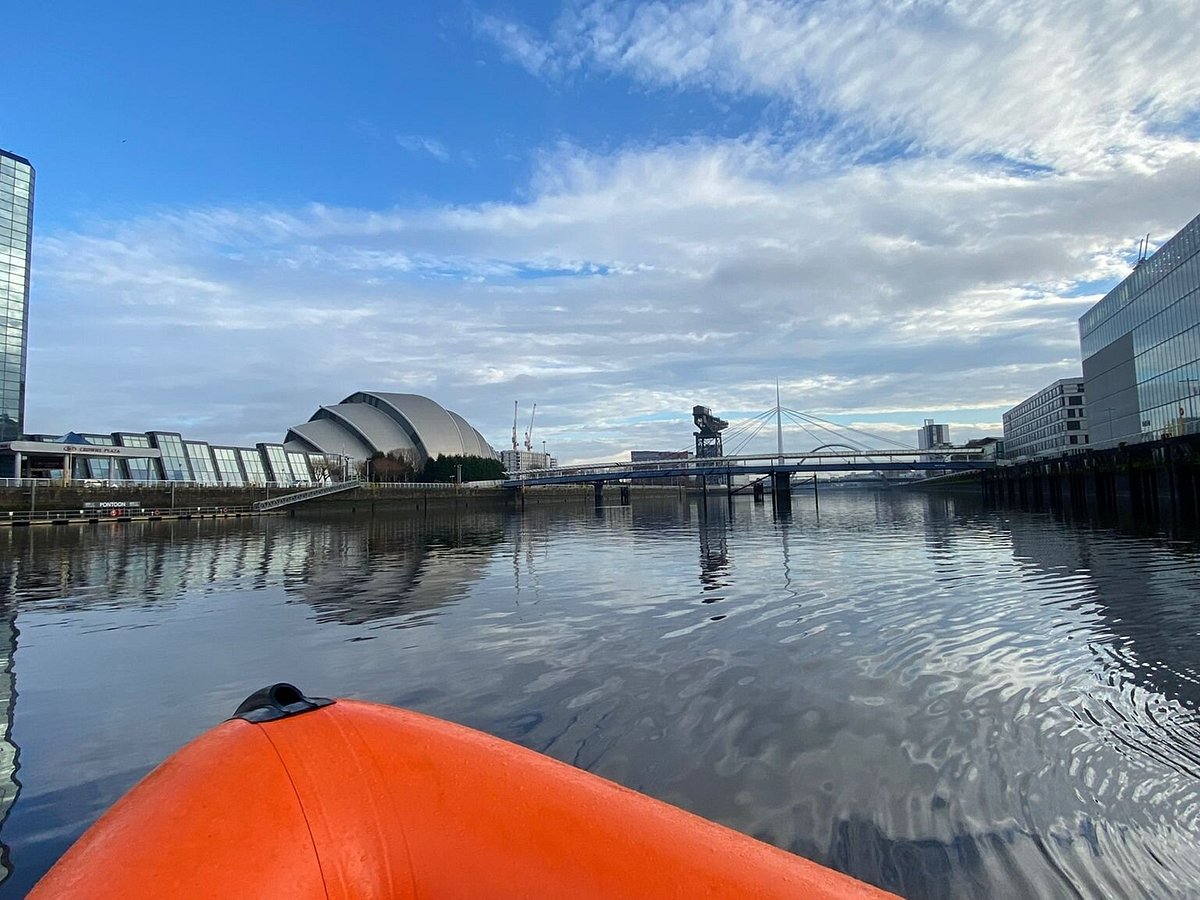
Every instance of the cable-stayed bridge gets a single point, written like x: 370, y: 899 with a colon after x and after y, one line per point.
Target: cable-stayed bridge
x: 760, y: 464
x: 837, y: 449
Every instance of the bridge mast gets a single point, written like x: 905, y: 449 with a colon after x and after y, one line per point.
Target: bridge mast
x: 778, y: 421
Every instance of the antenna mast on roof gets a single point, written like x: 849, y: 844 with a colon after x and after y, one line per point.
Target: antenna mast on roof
x: 1143, y: 250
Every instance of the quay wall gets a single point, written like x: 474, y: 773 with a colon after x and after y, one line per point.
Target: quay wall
x: 1152, y: 479
x: 369, y: 498
x: 52, y: 497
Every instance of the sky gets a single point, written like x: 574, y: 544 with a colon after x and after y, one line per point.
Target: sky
x: 898, y: 210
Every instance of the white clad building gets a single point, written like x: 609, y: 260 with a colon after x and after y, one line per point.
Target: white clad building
x: 1054, y: 420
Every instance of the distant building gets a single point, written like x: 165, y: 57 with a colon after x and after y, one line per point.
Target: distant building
x: 1141, y: 347
x: 525, y: 461
x: 655, y: 456
x: 637, y: 456
x: 931, y: 436
x: 1054, y: 420
x: 370, y: 422
x: 335, y: 443
x: 993, y: 448
x: 16, y: 234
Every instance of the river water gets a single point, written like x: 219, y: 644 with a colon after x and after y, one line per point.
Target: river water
x: 938, y: 698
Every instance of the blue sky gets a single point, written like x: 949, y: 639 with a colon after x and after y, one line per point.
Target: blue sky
x: 615, y: 210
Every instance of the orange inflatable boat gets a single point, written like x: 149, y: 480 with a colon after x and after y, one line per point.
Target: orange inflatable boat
x: 300, y: 797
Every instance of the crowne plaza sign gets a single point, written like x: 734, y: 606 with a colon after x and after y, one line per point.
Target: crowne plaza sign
x: 44, y: 448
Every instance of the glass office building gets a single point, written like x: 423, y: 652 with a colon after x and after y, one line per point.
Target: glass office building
x: 1141, y: 347
x: 16, y: 231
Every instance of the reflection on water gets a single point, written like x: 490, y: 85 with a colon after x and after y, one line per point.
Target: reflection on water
x: 939, y: 699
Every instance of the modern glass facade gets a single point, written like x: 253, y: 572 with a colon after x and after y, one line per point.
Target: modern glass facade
x: 228, y: 468
x: 194, y: 462
x: 1141, y: 347
x: 252, y: 465
x: 174, y: 460
x: 200, y: 456
x: 103, y: 469
x: 16, y: 231
x: 299, y: 466
x: 1054, y: 420
x: 138, y: 469
x: 278, y: 468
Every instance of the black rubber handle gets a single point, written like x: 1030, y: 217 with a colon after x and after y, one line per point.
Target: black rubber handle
x: 277, y: 701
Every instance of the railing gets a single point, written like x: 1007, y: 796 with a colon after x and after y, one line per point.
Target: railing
x: 119, y: 514
x: 126, y: 485
x: 310, y: 494
x: 25, y: 482
x: 372, y: 487
x: 131, y: 484
x: 429, y: 485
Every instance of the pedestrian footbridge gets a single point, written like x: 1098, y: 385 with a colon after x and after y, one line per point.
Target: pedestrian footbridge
x: 311, y: 494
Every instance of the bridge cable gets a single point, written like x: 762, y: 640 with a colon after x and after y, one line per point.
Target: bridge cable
x: 858, y: 431
x: 841, y: 439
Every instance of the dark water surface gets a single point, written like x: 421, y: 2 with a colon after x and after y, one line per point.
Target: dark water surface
x: 939, y: 699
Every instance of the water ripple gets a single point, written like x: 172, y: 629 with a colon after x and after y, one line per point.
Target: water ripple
x: 939, y: 699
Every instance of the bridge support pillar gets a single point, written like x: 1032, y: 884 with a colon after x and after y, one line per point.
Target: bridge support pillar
x: 781, y: 484
x: 781, y: 490
x: 624, y: 495
x: 758, y: 491
x: 598, y: 491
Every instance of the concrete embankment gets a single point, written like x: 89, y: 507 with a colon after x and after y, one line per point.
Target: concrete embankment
x: 52, y: 497
x: 417, y: 498
x: 78, y: 504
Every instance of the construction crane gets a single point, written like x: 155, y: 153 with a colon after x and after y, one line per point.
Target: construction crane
x: 529, y: 433
x: 516, y: 403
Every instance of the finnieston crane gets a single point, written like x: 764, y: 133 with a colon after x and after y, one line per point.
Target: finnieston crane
x: 529, y: 433
x: 516, y: 404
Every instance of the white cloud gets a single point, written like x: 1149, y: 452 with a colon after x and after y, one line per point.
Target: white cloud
x: 904, y: 288
x: 421, y: 144
x: 631, y: 284
x: 1067, y: 83
x: 520, y: 43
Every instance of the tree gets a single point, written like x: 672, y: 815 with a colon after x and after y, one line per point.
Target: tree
x: 321, y: 469
x: 474, y: 468
x: 394, y: 466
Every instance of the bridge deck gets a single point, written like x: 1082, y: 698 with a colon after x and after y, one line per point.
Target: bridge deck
x: 809, y: 463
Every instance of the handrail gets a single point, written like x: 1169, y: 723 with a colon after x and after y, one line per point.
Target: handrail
x: 310, y: 494
x: 117, y: 514
x: 96, y: 484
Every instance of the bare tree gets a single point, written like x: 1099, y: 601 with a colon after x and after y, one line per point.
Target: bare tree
x: 395, y: 465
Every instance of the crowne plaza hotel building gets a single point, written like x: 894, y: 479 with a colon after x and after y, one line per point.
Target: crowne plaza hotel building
x: 16, y: 231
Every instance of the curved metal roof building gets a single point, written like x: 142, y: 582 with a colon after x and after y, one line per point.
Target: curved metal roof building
x: 369, y: 422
